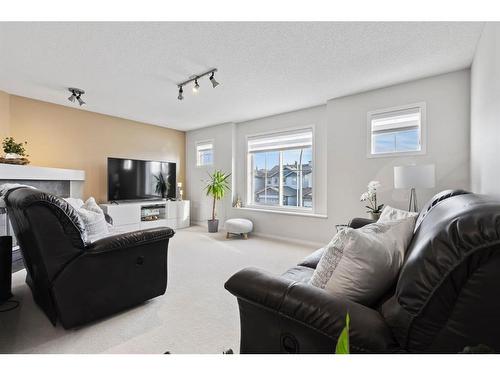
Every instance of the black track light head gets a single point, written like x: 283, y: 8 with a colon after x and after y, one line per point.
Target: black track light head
x: 214, y: 82
x: 80, y: 100
x: 196, y: 87
x: 180, y: 97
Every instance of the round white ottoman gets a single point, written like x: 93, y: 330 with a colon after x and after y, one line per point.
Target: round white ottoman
x: 238, y: 226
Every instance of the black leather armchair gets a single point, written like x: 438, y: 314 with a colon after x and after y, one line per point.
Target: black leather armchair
x: 444, y: 299
x: 76, y: 282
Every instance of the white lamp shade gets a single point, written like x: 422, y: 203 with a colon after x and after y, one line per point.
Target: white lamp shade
x: 414, y: 176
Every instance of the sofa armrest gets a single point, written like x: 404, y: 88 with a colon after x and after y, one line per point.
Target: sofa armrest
x: 130, y: 239
x: 359, y: 222
x: 311, y: 310
x: 312, y: 259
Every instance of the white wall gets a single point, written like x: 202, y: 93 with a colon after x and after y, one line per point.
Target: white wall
x: 485, y: 113
x: 342, y: 169
x: 447, y: 101
x: 201, y: 205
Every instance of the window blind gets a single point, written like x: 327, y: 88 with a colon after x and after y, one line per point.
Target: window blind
x: 281, y: 141
x: 396, y: 120
x: 204, y: 146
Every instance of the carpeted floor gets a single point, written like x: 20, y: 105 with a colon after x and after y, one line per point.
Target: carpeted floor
x: 195, y: 315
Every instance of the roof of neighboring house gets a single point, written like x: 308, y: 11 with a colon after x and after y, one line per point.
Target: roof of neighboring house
x: 287, y: 191
x: 289, y: 169
x: 272, y: 188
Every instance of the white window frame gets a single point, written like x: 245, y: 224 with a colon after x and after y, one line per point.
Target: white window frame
x: 248, y: 179
x: 201, y: 143
x: 423, y: 131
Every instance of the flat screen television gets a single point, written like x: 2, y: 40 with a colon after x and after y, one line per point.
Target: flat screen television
x: 130, y: 179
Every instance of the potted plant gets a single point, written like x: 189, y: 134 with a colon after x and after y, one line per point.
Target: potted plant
x: 161, y: 185
x: 371, y: 197
x: 14, y: 150
x: 216, y: 188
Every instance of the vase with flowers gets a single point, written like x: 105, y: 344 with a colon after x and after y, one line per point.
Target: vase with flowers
x: 370, y: 196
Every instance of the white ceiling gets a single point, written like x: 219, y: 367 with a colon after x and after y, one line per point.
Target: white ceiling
x: 130, y: 70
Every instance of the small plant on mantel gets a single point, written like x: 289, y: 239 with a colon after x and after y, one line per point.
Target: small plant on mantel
x: 15, y: 153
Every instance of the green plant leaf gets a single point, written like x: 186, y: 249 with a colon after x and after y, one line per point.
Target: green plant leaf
x: 343, y: 341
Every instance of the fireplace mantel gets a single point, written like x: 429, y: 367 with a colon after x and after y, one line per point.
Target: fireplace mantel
x: 29, y: 172
x: 62, y: 182
x: 59, y: 181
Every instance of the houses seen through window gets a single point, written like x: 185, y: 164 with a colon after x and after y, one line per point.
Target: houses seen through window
x: 281, y: 170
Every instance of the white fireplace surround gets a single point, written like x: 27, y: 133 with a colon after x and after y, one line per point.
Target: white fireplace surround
x: 42, y: 178
x: 26, y: 173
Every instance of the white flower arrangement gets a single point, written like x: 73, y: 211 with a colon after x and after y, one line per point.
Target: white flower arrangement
x: 370, y: 196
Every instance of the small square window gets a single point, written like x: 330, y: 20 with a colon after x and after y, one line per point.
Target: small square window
x: 204, y: 154
x: 396, y: 131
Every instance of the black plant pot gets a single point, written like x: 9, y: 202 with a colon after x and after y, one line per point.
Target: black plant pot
x: 213, y: 226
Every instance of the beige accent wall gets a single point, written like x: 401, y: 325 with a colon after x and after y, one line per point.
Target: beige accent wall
x: 4, y: 114
x: 64, y: 137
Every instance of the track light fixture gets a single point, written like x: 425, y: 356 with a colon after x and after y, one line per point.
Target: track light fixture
x: 76, y: 94
x: 195, y: 78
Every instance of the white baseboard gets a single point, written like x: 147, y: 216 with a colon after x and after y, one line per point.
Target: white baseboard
x: 204, y: 224
x: 288, y: 239
x: 268, y: 236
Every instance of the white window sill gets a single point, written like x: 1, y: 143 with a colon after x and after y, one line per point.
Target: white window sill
x: 395, y: 154
x: 282, y: 212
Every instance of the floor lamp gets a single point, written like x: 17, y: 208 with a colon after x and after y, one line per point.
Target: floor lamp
x: 414, y: 177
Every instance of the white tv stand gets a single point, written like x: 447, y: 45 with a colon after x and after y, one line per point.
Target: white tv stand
x: 130, y: 216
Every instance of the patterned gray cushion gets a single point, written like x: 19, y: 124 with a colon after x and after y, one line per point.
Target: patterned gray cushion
x: 361, y: 264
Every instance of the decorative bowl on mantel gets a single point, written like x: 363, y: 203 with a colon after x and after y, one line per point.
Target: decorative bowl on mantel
x: 14, y: 159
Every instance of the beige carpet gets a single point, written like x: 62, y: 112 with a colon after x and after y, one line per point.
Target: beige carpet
x: 195, y: 315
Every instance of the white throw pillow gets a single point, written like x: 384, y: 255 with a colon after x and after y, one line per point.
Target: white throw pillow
x: 361, y: 264
x: 93, y: 217
x: 392, y: 214
x: 76, y: 203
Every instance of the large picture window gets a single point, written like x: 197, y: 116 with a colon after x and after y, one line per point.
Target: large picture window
x: 396, y: 131
x: 281, y: 170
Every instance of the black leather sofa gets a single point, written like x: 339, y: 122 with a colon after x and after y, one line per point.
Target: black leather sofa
x: 74, y: 282
x: 446, y: 296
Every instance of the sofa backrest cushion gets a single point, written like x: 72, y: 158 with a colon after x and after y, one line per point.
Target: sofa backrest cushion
x: 48, y: 229
x: 447, y: 293
x: 439, y: 197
